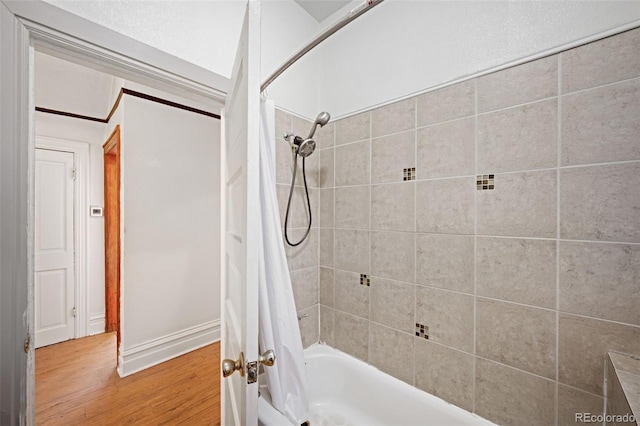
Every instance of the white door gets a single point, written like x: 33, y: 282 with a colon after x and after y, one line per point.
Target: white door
x: 54, y: 247
x: 241, y: 224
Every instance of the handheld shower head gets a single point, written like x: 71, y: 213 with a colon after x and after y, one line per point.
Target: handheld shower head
x: 321, y: 120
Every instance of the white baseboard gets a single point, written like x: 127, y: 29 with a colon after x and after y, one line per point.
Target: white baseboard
x: 96, y: 324
x: 156, y: 351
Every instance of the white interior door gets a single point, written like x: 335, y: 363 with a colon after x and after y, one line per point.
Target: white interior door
x: 241, y: 224
x: 54, y: 247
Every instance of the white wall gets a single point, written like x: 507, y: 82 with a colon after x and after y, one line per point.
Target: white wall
x: 285, y: 28
x: 59, y: 127
x: 171, y: 241
x: 404, y: 47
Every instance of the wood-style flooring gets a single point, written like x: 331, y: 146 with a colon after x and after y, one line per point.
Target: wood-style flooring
x: 77, y: 384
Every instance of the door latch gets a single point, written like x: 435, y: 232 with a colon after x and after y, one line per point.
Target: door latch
x: 27, y: 344
x: 74, y: 311
x: 267, y: 359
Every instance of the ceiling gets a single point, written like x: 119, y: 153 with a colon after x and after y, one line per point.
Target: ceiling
x: 68, y: 87
x: 322, y: 9
x: 64, y: 86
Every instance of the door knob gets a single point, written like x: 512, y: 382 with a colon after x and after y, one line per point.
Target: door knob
x: 229, y: 366
x: 268, y: 358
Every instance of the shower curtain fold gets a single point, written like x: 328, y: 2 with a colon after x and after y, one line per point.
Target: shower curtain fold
x: 287, y: 379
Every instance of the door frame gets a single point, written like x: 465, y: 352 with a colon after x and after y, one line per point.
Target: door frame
x: 37, y: 24
x: 82, y: 233
x: 112, y: 289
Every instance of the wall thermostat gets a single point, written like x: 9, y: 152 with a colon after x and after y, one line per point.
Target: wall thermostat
x: 96, y: 211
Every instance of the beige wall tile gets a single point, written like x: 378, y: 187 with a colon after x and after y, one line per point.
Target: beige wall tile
x: 309, y: 326
x: 445, y: 261
x: 298, y: 216
x: 326, y: 176
x: 327, y: 205
x: 284, y: 162
x: 520, y: 138
x: 602, y: 124
x: 304, y: 255
x: 510, y: 397
x: 518, y: 85
x: 521, y: 205
x: 393, y: 255
x: 312, y: 171
x: 305, y: 287
x: 517, y: 270
x: 448, y: 315
x: 600, y: 280
x: 601, y: 203
x: 324, y: 136
x: 445, y: 206
x: 300, y: 126
x: 447, y: 103
x: 351, y: 296
x: 583, y: 344
x: 572, y: 401
x: 385, y: 345
x: 393, y: 304
x: 352, y: 250
x: 351, y: 335
x: 326, y: 247
x: 327, y: 287
x: 447, y: 149
x: 327, y: 327
x: 390, y: 155
x: 352, y: 207
x: 604, y: 61
x: 393, y: 118
x: 352, y: 164
x: 282, y: 124
x: 517, y: 335
x: 444, y: 372
x: 393, y: 207
x: 351, y: 129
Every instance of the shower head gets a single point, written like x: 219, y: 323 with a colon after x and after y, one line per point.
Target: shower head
x: 305, y: 147
x: 322, y: 119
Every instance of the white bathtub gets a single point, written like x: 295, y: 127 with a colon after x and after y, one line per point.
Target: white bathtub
x: 346, y: 391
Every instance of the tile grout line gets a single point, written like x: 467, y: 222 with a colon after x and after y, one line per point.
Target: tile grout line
x: 370, y: 233
x: 475, y: 245
x: 415, y: 244
x: 507, y: 237
x: 558, y: 159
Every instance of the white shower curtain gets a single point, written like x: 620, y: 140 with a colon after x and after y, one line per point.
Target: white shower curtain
x: 287, y: 379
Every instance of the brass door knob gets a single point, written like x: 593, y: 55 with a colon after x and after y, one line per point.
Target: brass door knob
x: 229, y: 366
x: 268, y: 358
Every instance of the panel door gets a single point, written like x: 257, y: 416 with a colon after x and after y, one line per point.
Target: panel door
x: 241, y: 224
x: 54, y: 247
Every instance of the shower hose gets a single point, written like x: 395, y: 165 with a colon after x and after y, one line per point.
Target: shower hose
x: 306, y: 190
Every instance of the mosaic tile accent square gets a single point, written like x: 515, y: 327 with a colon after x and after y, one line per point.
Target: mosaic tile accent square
x: 422, y: 331
x: 409, y: 173
x: 485, y: 182
x: 365, y: 280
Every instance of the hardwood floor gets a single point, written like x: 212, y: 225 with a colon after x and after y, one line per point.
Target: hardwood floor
x: 77, y: 384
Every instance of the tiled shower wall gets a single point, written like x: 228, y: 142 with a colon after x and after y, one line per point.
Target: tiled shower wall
x: 302, y: 259
x: 482, y: 241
